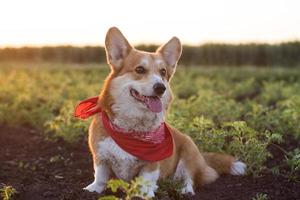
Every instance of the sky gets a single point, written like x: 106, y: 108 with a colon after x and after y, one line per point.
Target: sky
x: 85, y: 22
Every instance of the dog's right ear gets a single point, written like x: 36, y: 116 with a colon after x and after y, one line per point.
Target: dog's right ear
x: 117, y: 48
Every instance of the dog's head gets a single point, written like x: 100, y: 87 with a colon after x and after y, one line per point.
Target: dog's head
x: 139, y: 81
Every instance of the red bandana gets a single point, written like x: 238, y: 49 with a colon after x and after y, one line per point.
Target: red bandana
x: 149, y: 146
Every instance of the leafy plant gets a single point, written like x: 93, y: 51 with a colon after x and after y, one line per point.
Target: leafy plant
x: 260, y: 196
x: 235, y: 138
x: 131, y: 190
x: 7, y: 192
x: 293, y: 162
x: 65, y: 125
x: 234, y: 110
x: 169, y: 188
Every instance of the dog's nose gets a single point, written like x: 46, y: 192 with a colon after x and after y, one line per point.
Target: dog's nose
x: 159, y: 88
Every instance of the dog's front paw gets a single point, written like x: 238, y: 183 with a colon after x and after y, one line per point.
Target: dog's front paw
x: 238, y: 168
x: 150, y: 194
x: 149, y: 190
x: 188, y: 189
x: 94, y: 187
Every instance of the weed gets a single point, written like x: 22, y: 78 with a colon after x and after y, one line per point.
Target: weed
x: 260, y: 196
x: 56, y: 158
x: 131, y: 190
x: 7, y: 192
x: 293, y: 162
x: 169, y: 188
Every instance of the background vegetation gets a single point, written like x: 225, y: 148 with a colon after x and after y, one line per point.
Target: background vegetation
x: 283, y: 54
x: 235, y: 110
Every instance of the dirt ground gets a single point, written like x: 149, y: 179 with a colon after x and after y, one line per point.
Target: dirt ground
x: 44, y: 169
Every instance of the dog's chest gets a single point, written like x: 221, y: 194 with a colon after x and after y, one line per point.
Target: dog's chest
x: 124, y: 165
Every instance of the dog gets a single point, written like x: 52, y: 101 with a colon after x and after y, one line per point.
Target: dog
x: 133, y: 105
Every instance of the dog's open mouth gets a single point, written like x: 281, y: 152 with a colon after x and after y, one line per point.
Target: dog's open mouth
x: 152, y: 102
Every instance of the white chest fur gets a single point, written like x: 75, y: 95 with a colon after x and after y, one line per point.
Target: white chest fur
x: 123, y: 165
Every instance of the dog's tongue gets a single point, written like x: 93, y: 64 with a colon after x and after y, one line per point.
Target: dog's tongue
x: 154, y: 104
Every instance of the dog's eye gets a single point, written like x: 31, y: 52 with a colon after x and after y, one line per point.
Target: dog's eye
x: 140, y: 70
x: 163, y: 72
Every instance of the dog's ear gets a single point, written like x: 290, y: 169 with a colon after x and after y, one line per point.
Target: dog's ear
x: 171, y: 52
x: 117, y: 48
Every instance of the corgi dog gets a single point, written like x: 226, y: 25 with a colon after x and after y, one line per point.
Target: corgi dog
x: 135, y: 99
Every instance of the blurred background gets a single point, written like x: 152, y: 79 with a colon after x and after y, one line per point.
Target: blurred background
x: 236, y: 89
x: 261, y: 33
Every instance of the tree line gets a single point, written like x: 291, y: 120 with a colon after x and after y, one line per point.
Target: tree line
x: 282, y: 54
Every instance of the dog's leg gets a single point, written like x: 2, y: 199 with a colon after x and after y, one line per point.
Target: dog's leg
x: 151, y: 175
x: 102, y: 174
x: 182, y: 173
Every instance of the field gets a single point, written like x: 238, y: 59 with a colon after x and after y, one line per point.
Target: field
x: 252, y: 113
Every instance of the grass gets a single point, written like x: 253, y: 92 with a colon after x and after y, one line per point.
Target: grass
x: 235, y: 110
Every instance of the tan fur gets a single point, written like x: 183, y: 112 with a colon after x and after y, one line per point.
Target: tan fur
x: 201, y: 168
x: 219, y: 161
x: 105, y: 98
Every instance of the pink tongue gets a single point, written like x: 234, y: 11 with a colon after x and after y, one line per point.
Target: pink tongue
x: 154, y: 104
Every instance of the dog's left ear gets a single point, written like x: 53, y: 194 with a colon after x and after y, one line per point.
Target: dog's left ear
x: 171, y: 52
x: 117, y: 48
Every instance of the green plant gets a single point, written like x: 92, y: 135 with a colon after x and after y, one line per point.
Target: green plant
x: 293, y: 162
x: 232, y: 110
x: 7, y: 192
x: 56, y: 158
x: 235, y: 138
x: 169, y: 188
x: 131, y: 190
x: 65, y: 125
x: 260, y: 196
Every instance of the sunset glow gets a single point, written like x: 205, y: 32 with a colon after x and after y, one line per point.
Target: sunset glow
x: 58, y: 22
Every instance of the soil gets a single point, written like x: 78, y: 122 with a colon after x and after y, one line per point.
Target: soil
x: 41, y: 169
